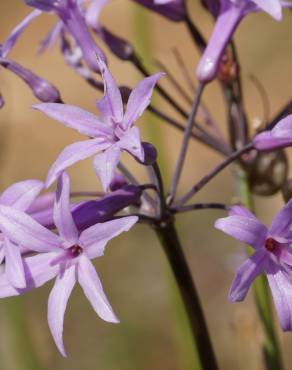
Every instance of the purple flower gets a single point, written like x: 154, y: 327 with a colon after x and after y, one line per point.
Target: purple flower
x: 72, y: 18
x: 230, y: 15
x: 279, y: 136
x: 111, y: 133
x: 272, y: 256
x: 18, y: 196
x: 67, y: 256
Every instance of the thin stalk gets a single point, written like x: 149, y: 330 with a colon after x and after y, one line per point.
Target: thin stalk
x: 270, y: 346
x: 168, y: 237
x: 185, y: 143
x: 220, y: 167
x: 198, y: 207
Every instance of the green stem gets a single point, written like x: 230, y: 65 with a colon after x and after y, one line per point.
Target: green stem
x: 270, y: 346
x: 21, y: 337
x: 167, y: 234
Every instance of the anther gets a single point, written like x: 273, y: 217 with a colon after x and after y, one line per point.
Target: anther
x: 75, y: 250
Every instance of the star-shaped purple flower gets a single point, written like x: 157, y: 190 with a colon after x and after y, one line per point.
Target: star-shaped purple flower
x: 111, y: 133
x: 67, y: 256
x: 273, y: 256
x: 279, y: 136
x: 230, y: 15
x: 19, y: 196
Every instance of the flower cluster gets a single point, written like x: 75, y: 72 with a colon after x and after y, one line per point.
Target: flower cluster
x: 49, y: 236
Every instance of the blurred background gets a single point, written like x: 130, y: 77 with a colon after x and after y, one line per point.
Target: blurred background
x: 153, y: 332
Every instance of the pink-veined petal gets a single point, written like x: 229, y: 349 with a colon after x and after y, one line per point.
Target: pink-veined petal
x: 246, y: 274
x: 62, y: 212
x: 74, y: 117
x: 74, y: 153
x: 281, y: 288
x: 111, y: 105
x: 91, y: 285
x: 105, y: 165
x: 282, y: 222
x: 139, y: 99
x: 25, y: 231
x: 95, y: 238
x: 58, y: 299
x: 14, y: 268
x: 245, y: 229
x: 21, y: 194
x: 131, y: 142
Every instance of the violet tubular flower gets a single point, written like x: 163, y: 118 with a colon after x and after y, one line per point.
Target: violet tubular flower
x: 111, y: 133
x: 175, y: 10
x: 18, y: 196
x: 66, y: 256
x: 229, y: 17
x: 273, y: 256
x: 280, y: 136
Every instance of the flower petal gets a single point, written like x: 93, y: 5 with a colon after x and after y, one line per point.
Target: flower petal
x: 131, y: 142
x: 282, y: 222
x: 281, y: 288
x: 246, y: 274
x: 111, y: 105
x: 93, y: 12
x: 74, y: 117
x: 62, y: 212
x: 139, y: 99
x: 91, y: 285
x: 95, y: 238
x: 272, y: 7
x: 37, y: 271
x: 25, y: 231
x: 245, y: 229
x: 74, y: 153
x: 238, y: 210
x: 105, y: 164
x: 17, y: 31
x: 21, y: 194
x: 13, y: 265
x: 57, y: 305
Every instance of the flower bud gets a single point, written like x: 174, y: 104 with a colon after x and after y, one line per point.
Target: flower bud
x: 150, y: 154
x: 268, y: 172
x: 117, y: 182
x: 118, y: 46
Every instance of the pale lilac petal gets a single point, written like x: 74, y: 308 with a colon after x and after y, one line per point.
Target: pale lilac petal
x: 283, y: 128
x: 93, y: 12
x: 139, y: 99
x: 95, y: 238
x: 25, y: 231
x: 71, y: 116
x: 238, y: 210
x: 17, y: 31
x: 91, y: 285
x: 57, y: 305
x: 74, y: 153
x: 272, y: 7
x: 51, y: 37
x: 245, y: 229
x: 2, y: 253
x: 131, y: 142
x: 111, y: 105
x: 42, y: 203
x: 13, y: 265
x: 105, y: 164
x: 246, y: 274
x: 281, y: 288
x: 21, y: 194
x: 62, y: 212
x: 37, y: 272
x: 282, y: 222
x: 267, y: 141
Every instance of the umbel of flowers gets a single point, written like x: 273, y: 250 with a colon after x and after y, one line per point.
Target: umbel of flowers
x: 49, y: 236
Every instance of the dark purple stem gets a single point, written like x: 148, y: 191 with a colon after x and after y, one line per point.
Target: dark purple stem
x: 204, y: 181
x: 199, y: 206
x: 185, y: 143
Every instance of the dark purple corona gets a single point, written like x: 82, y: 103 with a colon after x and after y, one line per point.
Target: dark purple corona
x: 270, y: 244
x: 75, y: 250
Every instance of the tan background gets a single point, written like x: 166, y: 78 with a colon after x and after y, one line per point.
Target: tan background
x: 134, y: 271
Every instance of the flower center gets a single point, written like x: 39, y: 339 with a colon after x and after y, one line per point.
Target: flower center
x: 270, y: 244
x: 75, y: 250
